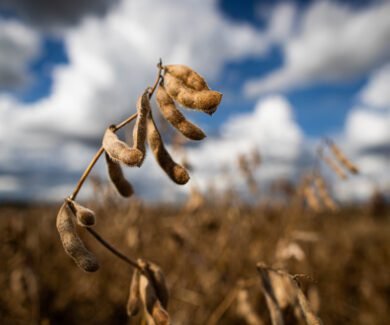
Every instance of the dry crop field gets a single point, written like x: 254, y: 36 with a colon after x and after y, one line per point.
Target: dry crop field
x: 291, y: 255
x: 206, y: 256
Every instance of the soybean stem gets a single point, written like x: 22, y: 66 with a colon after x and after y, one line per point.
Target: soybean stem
x: 116, y: 128
x: 90, y: 166
x: 113, y: 249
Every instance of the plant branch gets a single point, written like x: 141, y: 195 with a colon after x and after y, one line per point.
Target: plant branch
x: 114, y: 250
x: 92, y: 163
x: 116, y: 128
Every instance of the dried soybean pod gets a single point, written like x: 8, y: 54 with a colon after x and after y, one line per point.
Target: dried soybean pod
x: 310, y: 317
x: 176, y: 172
x: 175, y: 117
x: 72, y: 243
x: 323, y: 193
x: 269, y: 293
x: 134, y: 296
x: 116, y: 175
x: 204, y: 100
x: 85, y: 217
x: 157, y: 276
x: 153, y: 307
x: 139, y: 131
x: 342, y: 158
x: 310, y: 196
x: 189, y: 77
x: 120, y: 151
x: 338, y: 171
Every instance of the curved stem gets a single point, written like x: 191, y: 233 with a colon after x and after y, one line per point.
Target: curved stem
x: 90, y: 166
x: 159, y: 76
x: 113, y: 249
x: 116, y: 128
x: 125, y: 122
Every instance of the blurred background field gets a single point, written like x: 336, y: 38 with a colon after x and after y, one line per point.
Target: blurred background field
x: 204, y: 250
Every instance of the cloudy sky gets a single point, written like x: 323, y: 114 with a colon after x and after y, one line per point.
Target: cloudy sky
x: 291, y: 73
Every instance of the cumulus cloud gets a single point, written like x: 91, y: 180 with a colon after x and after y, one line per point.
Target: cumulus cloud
x: 103, y: 78
x: 270, y: 128
x: 45, y: 145
x: 282, y: 21
x: 19, y: 45
x: 332, y: 43
x: 366, y: 139
x: 376, y: 93
x: 367, y: 129
x: 111, y: 60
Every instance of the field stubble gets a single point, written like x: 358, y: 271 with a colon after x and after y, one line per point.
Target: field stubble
x: 207, y: 254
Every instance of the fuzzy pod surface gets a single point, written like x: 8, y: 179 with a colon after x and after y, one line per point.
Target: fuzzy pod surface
x: 117, y: 178
x: 188, y: 76
x: 72, y: 243
x: 176, y: 172
x: 206, y: 101
x: 85, y: 217
x: 171, y: 113
x: 139, y: 131
x: 120, y: 151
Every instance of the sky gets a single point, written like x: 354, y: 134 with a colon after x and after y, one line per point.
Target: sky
x: 292, y: 73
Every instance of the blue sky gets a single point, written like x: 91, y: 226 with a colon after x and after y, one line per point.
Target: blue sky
x: 319, y: 109
x: 256, y: 53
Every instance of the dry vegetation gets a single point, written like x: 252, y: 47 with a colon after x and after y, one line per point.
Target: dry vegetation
x: 292, y: 256
x: 205, y: 254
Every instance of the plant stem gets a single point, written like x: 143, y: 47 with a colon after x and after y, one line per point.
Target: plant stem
x: 113, y: 249
x: 90, y: 166
x: 117, y: 127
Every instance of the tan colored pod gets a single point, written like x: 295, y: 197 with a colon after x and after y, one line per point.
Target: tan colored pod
x: 158, y: 278
x: 139, y: 131
x: 72, y: 243
x: 323, y: 193
x: 204, y: 100
x: 332, y: 165
x: 311, y: 198
x: 175, y: 117
x: 120, y: 151
x: 342, y: 158
x: 155, y: 312
x: 189, y: 77
x: 308, y: 313
x: 160, y: 315
x: 118, y: 179
x: 133, y: 303
x: 85, y: 217
x: 176, y: 172
x: 269, y: 293
x: 282, y: 290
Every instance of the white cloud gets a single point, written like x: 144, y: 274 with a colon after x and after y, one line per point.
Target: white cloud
x: 282, y: 20
x: 111, y: 61
x: 373, y: 176
x: 45, y: 145
x: 366, y: 139
x: 270, y: 128
x: 19, y: 45
x: 377, y: 93
x: 333, y: 43
x: 367, y: 129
